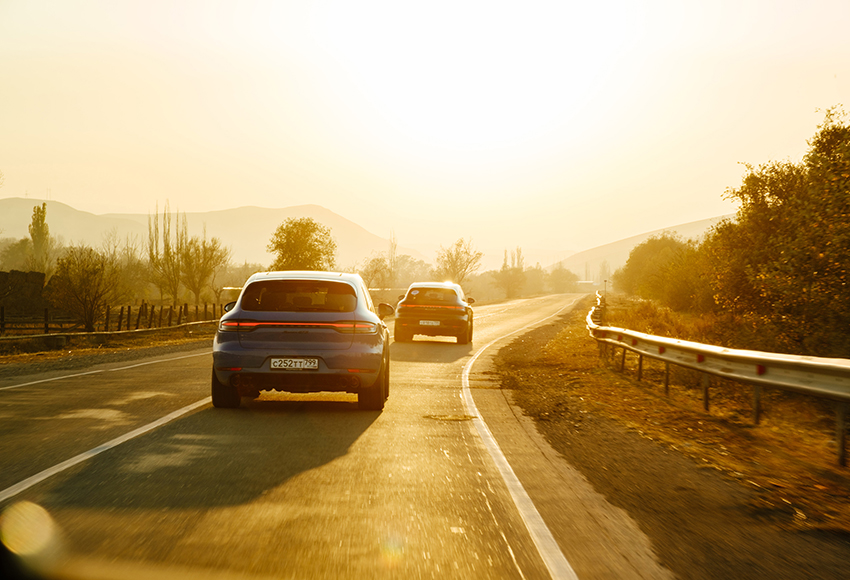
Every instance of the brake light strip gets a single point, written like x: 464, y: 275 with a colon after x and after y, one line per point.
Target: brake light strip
x: 431, y: 306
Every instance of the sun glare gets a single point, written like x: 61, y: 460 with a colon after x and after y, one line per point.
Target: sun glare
x: 467, y: 78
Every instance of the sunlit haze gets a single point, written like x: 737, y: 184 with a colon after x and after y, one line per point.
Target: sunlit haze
x: 560, y: 125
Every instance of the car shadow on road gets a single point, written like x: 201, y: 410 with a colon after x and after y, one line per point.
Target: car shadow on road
x: 217, y: 457
x: 429, y: 350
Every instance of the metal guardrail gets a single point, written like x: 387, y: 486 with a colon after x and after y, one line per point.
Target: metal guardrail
x: 827, y: 378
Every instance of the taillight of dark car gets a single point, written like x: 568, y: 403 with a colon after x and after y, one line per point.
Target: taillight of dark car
x: 402, y: 305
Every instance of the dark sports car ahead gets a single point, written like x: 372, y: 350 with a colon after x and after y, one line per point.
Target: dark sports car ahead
x: 302, y: 332
x: 434, y: 309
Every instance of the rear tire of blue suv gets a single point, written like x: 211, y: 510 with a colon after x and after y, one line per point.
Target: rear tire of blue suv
x: 465, y: 336
x: 372, y: 399
x: 224, y: 396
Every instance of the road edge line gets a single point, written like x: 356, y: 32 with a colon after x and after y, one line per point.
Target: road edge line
x: 551, y: 553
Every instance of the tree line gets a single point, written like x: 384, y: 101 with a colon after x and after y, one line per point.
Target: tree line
x: 83, y: 281
x: 303, y: 244
x: 776, y: 276
x: 172, y: 266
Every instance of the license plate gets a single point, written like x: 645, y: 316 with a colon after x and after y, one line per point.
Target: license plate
x: 429, y: 323
x: 295, y: 364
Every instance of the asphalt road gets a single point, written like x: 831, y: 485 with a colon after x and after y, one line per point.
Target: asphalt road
x: 145, y: 479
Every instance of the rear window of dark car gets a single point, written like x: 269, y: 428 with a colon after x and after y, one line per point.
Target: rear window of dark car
x: 432, y: 296
x: 299, y: 296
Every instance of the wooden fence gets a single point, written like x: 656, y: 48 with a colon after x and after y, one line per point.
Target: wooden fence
x: 116, y: 318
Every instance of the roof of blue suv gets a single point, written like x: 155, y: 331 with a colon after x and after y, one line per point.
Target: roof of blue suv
x: 305, y: 275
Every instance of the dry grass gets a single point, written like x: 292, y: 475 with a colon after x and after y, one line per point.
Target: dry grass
x: 790, y: 457
x: 84, y: 345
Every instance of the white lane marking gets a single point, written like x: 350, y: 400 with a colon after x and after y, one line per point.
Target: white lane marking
x: 151, y: 362
x: 51, y: 471
x: 48, y: 380
x: 557, y: 564
x: 102, y: 371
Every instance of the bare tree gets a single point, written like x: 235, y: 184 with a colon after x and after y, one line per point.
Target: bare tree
x: 409, y: 269
x: 234, y: 276
x: 511, y: 277
x: 458, y: 260
x: 84, y: 283
x: 220, y: 276
x: 375, y: 271
x: 164, y: 251
x: 200, y: 259
x: 392, y: 261
x: 132, y: 272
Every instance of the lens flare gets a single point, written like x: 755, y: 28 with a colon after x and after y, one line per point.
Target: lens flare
x: 27, y: 529
x: 392, y: 551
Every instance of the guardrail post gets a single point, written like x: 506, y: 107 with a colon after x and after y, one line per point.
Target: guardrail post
x: 205, y: 311
x: 150, y: 320
x: 46, y: 322
x: 196, y: 313
x: 640, y: 366
x: 841, y: 433
x: 139, y: 315
x: 185, y: 313
x: 666, y: 379
x: 623, y: 360
x: 120, y: 318
x: 170, y: 314
x: 106, y: 320
x: 756, y: 404
x: 129, y: 316
x: 705, y: 381
x: 159, y: 320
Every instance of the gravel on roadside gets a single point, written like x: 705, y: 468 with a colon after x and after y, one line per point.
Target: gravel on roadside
x: 704, y: 521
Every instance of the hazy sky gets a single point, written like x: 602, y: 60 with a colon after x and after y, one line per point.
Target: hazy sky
x: 569, y: 124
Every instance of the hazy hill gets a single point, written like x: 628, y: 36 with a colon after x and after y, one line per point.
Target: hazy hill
x: 72, y: 225
x: 586, y: 264
x: 245, y: 229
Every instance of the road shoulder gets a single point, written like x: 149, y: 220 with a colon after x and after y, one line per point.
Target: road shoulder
x: 598, y: 539
x: 701, y: 523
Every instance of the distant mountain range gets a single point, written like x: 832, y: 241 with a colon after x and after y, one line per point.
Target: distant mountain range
x: 586, y: 264
x: 246, y: 230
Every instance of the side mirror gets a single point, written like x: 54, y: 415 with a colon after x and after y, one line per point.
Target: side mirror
x: 470, y: 300
x: 229, y: 306
x: 401, y: 297
x: 385, y: 310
